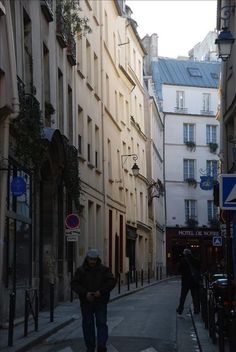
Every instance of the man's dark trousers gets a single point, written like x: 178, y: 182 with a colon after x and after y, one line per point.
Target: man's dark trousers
x: 97, y: 310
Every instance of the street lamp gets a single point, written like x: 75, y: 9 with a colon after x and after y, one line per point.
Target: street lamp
x: 225, y: 38
x: 135, y: 168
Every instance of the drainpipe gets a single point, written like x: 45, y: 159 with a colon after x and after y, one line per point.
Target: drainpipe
x: 6, y: 127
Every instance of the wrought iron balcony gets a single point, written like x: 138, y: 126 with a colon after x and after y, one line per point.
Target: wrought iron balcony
x: 181, y: 110
x: 47, y: 8
x: 71, y: 49
x: 61, y: 30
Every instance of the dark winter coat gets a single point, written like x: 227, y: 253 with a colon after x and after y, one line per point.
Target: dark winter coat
x: 190, y: 271
x: 92, y: 279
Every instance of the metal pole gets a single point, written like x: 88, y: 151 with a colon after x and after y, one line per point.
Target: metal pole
x: 128, y: 281
x: 51, y: 302
x: 11, y: 318
x: 141, y: 277
x: 36, y: 310
x: 26, y: 314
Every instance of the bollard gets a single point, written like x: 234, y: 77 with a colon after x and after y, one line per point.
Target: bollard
x: 136, y: 278
x: 148, y: 276
x: 157, y: 274
x: 26, y: 314
x: 12, y: 303
x: 141, y: 277
x: 71, y: 291
x: 160, y: 272
x: 128, y: 281
x: 51, y: 302
x: 118, y: 283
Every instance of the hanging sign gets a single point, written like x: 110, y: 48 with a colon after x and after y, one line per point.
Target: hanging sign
x: 207, y: 183
x: 18, y: 186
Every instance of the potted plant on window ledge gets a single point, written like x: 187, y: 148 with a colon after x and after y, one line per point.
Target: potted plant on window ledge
x: 191, y: 181
x: 214, y: 223
x: 213, y: 147
x: 190, y: 145
x: 191, y: 222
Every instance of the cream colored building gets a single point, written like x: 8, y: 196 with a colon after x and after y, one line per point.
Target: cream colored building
x: 90, y: 103
x: 111, y: 131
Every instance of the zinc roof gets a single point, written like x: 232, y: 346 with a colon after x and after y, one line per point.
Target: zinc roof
x: 185, y: 73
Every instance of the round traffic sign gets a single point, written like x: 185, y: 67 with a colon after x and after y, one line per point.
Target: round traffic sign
x: 72, y: 221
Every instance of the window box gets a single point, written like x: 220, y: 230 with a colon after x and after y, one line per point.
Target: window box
x: 192, y: 222
x: 190, y: 145
x: 214, y: 223
x: 192, y: 182
x: 213, y: 147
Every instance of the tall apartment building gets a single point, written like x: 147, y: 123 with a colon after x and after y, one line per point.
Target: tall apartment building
x: 37, y: 151
x: 111, y: 137
x: 80, y: 103
x: 188, y: 91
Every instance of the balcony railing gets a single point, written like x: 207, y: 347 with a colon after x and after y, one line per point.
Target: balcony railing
x: 61, y: 30
x: 180, y: 110
x: 207, y: 112
x: 47, y: 8
x: 71, y: 49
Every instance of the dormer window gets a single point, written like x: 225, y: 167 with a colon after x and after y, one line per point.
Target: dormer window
x: 194, y: 72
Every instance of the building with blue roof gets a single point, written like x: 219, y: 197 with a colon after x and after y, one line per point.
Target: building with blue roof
x: 187, y: 94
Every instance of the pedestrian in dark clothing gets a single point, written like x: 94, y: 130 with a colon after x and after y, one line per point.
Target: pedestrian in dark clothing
x: 190, y: 280
x: 93, y: 282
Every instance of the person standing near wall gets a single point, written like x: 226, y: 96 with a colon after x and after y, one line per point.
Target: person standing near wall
x: 93, y: 282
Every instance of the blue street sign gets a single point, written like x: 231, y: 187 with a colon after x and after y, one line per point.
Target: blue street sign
x: 217, y: 241
x: 207, y: 183
x: 18, y: 186
x: 228, y: 191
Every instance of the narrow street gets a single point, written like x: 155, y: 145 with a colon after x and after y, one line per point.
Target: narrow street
x: 141, y: 322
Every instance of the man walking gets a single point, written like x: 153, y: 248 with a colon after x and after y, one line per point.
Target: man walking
x: 190, y: 280
x: 93, y: 282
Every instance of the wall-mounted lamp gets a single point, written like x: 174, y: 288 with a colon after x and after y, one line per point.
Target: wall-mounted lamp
x: 135, y: 169
x: 225, y: 38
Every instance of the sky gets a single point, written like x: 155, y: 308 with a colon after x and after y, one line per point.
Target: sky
x: 179, y: 24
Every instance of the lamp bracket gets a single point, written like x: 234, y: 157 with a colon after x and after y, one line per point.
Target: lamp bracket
x: 124, y: 157
x: 225, y: 13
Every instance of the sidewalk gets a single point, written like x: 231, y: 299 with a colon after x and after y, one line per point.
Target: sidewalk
x: 67, y: 312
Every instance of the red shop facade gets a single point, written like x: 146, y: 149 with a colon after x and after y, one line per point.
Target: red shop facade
x: 199, y: 240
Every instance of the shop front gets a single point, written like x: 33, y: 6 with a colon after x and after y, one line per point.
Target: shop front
x: 200, y: 241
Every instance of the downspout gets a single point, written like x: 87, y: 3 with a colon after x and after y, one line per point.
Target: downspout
x: 5, y: 130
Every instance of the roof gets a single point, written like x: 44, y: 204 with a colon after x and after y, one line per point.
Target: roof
x: 185, y: 73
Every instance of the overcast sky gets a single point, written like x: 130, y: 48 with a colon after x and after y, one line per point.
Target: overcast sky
x: 179, y: 24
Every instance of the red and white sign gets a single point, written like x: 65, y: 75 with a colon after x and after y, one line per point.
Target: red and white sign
x: 72, y: 221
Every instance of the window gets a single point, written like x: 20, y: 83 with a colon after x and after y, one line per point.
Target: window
x: 180, y: 100
x: 211, y: 167
x: 81, y: 130
x: 109, y: 160
x: 206, y: 102
x: 60, y: 101
x: 210, y: 134
x: 97, y: 156
x: 194, y: 72
x: 89, y: 139
x: 70, y: 115
x: 211, y: 210
x: 96, y: 75
x: 188, y: 169
x: 188, y: 132
x: 190, y: 209
x: 214, y: 75
x: 88, y: 57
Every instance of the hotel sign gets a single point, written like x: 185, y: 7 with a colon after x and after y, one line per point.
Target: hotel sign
x: 197, y: 233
